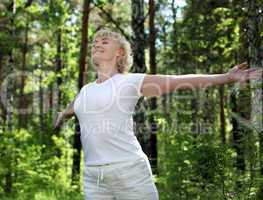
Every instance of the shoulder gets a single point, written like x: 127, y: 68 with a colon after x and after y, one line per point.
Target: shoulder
x: 134, y: 76
x: 84, y: 88
x: 135, y: 81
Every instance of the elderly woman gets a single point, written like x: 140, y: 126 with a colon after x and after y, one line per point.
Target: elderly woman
x: 115, y: 165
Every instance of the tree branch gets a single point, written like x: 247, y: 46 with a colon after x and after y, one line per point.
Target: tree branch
x: 113, y: 21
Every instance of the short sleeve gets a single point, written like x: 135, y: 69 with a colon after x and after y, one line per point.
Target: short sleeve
x: 79, y: 94
x: 137, y: 80
x: 81, y: 91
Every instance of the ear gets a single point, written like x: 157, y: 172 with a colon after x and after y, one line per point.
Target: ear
x: 120, y: 52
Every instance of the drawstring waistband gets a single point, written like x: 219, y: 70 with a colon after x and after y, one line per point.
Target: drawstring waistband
x: 100, y: 172
x: 100, y: 169
x: 100, y: 177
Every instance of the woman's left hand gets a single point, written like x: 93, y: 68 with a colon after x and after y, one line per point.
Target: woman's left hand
x: 58, y: 121
x: 239, y: 73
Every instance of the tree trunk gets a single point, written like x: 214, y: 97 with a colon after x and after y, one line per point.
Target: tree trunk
x: 240, y: 162
x: 153, y: 100
x: 138, y: 38
x: 222, y: 112
x: 222, y: 115
x: 41, y: 94
x: 195, y: 101
x: 138, y: 45
x: 9, y: 101
x: 165, y: 99
x: 58, y: 95
x: 50, y: 99
x: 2, y: 106
x: 81, y: 82
x: 240, y: 108
x: 195, y: 128
x: 58, y: 68
x: 254, y: 22
x: 22, y: 112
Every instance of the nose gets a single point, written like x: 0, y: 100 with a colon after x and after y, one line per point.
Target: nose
x: 96, y: 47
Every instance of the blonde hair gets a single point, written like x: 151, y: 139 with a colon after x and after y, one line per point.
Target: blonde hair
x: 124, y: 61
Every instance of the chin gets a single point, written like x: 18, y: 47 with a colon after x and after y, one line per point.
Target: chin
x: 96, y: 60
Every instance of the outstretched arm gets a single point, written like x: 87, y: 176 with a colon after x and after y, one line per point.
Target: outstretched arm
x: 157, y: 85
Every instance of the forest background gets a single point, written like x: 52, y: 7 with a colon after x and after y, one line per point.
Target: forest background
x: 202, y: 144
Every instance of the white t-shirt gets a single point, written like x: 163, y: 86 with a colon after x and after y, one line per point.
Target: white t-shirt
x: 104, y: 111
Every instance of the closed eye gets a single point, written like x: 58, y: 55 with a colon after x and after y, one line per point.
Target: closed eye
x: 102, y: 43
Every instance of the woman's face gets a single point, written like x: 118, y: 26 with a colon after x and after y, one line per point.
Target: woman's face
x: 104, y: 49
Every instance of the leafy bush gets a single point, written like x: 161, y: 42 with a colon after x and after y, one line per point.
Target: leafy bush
x: 36, y: 172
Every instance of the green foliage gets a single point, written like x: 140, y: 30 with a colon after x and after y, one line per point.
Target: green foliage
x: 204, y: 38
x: 198, y: 168
x: 36, y: 172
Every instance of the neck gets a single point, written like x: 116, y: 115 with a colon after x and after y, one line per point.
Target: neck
x: 105, y: 71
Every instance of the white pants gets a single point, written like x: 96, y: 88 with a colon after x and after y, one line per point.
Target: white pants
x: 130, y: 180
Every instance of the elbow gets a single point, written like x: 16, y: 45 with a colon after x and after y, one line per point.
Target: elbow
x: 154, y: 91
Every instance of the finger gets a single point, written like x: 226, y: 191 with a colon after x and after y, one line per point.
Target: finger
x: 242, y: 65
x: 255, y: 75
x: 54, y: 122
x: 258, y: 70
x: 57, y: 116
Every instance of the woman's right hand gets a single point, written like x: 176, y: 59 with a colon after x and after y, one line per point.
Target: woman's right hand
x: 58, y: 120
